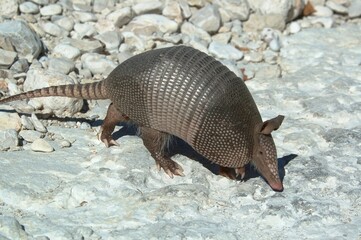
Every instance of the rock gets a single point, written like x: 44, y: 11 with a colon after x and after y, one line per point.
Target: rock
x: 253, y: 57
x: 26, y: 42
x: 336, y: 7
x: 286, y: 9
x: 185, y: 8
x: 97, y: 63
x: 100, y: 5
x: 275, y: 44
x: 7, y: 58
x: 225, y: 51
x: 20, y: 66
x: 39, y: 78
x: 111, y: 40
x: 196, y: 3
x: 50, y: 10
x: 257, y: 22
x: 8, y: 8
x: 148, y: 24
x: 8, y: 139
x: 85, y: 126
x: 354, y: 10
x: 120, y: 17
x: 65, y: 144
x: 37, y: 124
x: 40, y: 145
x: 30, y: 135
x: 222, y: 37
x: 84, y: 16
x: 192, y: 30
x: 65, y: 22
x: 10, y: 228
x: 84, y: 30
x: 270, y: 56
x: 233, y: 9
x: 41, y: 2
x: 27, y: 123
x: 322, y: 11
x: 133, y: 42
x: 148, y: 7
x: 207, y: 18
x: 85, y: 45
x: 294, y: 27
x: 172, y: 10
x: 326, y: 22
x: 9, y: 119
x: 61, y: 65
x: 67, y: 51
x: 29, y: 7
x: 53, y: 29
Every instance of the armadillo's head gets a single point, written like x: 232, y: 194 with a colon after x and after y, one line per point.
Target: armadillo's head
x: 265, y: 154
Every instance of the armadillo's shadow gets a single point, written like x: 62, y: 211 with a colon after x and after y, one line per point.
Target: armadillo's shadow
x: 179, y: 146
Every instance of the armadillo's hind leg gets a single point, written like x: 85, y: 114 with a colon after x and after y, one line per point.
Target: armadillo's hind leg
x: 113, y: 117
x: 156, y: 141
x: 232, y: 173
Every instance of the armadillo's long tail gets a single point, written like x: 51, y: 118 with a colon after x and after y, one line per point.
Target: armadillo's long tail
x: 88, y: 91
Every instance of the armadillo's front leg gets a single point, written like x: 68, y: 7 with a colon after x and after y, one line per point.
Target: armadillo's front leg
x: 155, y: 141
x: 232, y: 173
x: 112, y: 118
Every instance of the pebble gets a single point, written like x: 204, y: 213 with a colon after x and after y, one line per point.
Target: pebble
x: 354, y: 10
x: 110, y: 39
x: 84, y: 16
x: 233, y: 10
x: 27, y: 123
x: 65, y: 22
x: 40, y: 145
x: 192, y: 30
x: 120, y: 17
x: 84, y: 30
x: 8, y: 8
x: 37, y: 124
x: 85, y: 45
x: 52, y: 9
x: 207, y: 18
x: 172, y: 10
x: 9, y: 119
x: 7, y: 58
x: 322, y: 11
x: 8, y: 139
x: 147, y: 7
x: 53, y: 29
x: 326, y: 22
x: 65, y: 144
x: 294, y: 27
x: 225, y: 51
x: 97, y: 63
x: 85, y: 125
x: 30, y: 135
x: 29, y: 7
x: 62, y: 65
x: 253, y: 57
x: 275, y: 44
x: 67, y: 51
x: 20, y: 66
x: 10, y: 228
x: 148, y: 24
x: 336, y: 7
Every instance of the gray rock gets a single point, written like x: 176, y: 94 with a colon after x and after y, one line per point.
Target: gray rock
x: 85, y: 126
x: 84, y: 16
x: 9, y: 119
x: 172, y: 10
x: 20, y: 66
x: 7, y: 58
x: 185, y: 8
x: 41, y: 2
x: 196, y: 3
x: 133, y: 42
x: 275, y: 44
x: 8, y: 8
x: 52, y: 9
x: 148, y: 24
x: 8, y: 139
x: 10, y: 228
x: 39, y: 78
x: 120, y: 17
x: 100, y: 5
x: 40, y: 145
x: 222, y: 37
x: 336, y: 7
x: 111, y: 40
x: 253, y: 57
x: 65, y: 144
x: 26, y: 42
x: 29, y: 7
x: 30, y: 135
x: 257, y: 22
x: 294, y: 27
x: 207, y: 18
x: 354, y: 10
x: 270, y: 56
x: 233, y: 9
x: 225, y: 51
x: 37, y: 124
x: 85, y: 45
x: 97, y: 63
x: 194, y: 31
x: 66, y: 51
x: 65, y: 22
x: 148, y: 7
x: 322, y: 11
x: 326, y: 22
x: 61, y: 65
x: 27, y: 123
x: 53, y: 29
x: 84, y: 30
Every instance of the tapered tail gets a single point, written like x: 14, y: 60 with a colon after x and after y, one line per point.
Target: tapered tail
x: 89, y: 91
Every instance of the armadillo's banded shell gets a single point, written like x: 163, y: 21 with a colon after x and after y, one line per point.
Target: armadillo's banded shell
x: 184, y: 92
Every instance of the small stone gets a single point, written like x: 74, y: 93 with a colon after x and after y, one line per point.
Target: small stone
x: 85, y: 125
x: 66, y: 51
x: 27, y: 123
x: 20, y: 66
x: 270, y: 57
x: 120, y: 17
x: 149, y: 24
x: 7, y: 58
x: 85, y: 45
x: 233, y: 10
x: 53, y: 29
x: 9, y: 119
x: 194, y: 31
x: 322, y: 11
x: 111, y: 39
x: 100, y: 5
x: 337, y: 8
x: 172, y: 10
x: 40, y: 145
x: 294, y: 27
x: 65, y: 144
x: 37, y: 124
x: 8, y: 139
x: 97, y: 64
x: 354, y: 10
x: 185, y: 8
x: 84, y: 30
x: 225, y: 51
x: 8, y: 8
x: 62, y: 65
x: 253, y: 57
x: 66, y: 23
x: 29, y: 7
x: 196, y: 3
x: 84, y: 16
x: 10, y: 228
x: 275, y: 44
x: 207, y: 18
x: 222, y: 37
x: 326, y: 22
x: 52, y: 9
x: 30, y: 135
x: 147, y: 7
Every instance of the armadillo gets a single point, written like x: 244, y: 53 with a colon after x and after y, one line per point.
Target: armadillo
x: 180, y: 91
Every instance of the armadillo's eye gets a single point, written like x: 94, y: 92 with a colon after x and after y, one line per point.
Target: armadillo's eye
x: 260, y: 153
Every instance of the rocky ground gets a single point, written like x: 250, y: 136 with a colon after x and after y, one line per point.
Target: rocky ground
x: 57, y: 181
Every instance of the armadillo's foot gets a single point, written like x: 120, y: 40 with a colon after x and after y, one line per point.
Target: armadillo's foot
x: 112, y: 118
x: 155, y: 141
x: 232, y: 173
x: 169, y: 166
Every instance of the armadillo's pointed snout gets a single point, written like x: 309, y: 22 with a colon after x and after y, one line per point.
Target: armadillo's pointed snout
x: 276, y: 186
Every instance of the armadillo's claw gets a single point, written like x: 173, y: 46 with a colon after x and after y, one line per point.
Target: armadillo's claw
x: 232, y: 173
x: 241, y: 171
x: 170, y: 167
x: 106, y: 138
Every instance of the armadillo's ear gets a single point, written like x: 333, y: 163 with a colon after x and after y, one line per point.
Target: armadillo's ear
x: 272, y: 124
